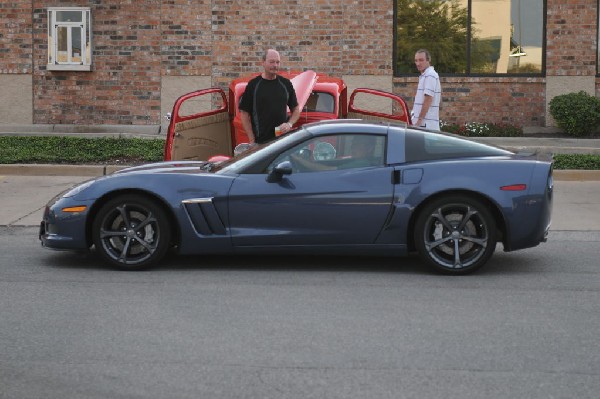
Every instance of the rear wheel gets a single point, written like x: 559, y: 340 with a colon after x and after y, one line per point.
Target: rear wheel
x: 455, y: 235
x: 131, y: 232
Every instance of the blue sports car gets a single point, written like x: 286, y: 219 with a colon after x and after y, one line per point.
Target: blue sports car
x: 338, y: 187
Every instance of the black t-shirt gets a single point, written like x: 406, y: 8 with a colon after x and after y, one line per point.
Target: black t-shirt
x: 265, y: 100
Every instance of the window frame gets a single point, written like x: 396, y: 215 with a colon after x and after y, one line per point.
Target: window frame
x: 86, y: 37
x: 468, y: 45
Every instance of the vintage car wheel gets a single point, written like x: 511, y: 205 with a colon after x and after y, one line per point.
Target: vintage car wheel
x: 131, y: 232
x: 455, y: 235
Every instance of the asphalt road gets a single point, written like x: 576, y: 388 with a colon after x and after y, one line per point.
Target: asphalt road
x: 526, y: 326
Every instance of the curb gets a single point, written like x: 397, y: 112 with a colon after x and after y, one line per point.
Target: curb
x: 576, y: 175
x: 80, y: 130
x: 59, y: 170
x: 102, y: 170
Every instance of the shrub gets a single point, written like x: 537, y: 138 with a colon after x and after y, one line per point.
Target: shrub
x: 451, y: 128
x: 578, y: 114
x: 478, y: 129
x: 61, y: 149
x: 505, y: 130
x: 577, y: 161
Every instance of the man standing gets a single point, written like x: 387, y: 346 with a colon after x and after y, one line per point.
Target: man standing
x: 426, y: 107
x: 263, y: 106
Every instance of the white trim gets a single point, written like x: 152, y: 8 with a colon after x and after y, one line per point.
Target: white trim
x: 68, y: 67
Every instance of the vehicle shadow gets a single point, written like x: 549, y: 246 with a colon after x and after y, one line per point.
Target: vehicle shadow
x: 311, y: 263
x: 501, y: 263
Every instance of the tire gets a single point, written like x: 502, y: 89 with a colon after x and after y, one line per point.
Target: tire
x: 131, y: 232
x: 455, y: 222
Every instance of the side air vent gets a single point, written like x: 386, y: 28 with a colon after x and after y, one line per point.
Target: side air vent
x: 204, y: 216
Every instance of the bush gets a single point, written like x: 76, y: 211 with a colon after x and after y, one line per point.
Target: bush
x: 577, y: 161
x: 578, y: 114
x: 478, y: 129
x: 77, y: 150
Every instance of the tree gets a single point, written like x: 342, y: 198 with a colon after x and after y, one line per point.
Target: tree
x: 439, y: 26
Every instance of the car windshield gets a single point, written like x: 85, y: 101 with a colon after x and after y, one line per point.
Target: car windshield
x: 248, y: 158
x: 320, y: 102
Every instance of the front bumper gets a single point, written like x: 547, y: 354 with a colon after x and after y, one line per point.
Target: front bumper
x: 63, y: 230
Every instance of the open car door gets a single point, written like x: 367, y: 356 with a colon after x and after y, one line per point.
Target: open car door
x: 199, y: 127
x: 377, y: 105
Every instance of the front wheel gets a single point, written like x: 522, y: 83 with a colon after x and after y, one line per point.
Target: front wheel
x: 131, y: 232
x: 455, y: 235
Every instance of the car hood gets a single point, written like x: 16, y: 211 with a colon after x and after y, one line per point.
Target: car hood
x: 173, y: 180
x: 303, y: 84
x: 169, y: 167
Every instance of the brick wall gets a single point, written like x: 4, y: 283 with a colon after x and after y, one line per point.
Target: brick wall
x: 330, y: 36
x: 571, y: 37
x: 124, y: 87
x: 138, y: 42
x: 15, y: 37
x: 516, y: 101
x: 186, y: 41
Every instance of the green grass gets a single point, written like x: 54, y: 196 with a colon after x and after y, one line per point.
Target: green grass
x: 133, y: 151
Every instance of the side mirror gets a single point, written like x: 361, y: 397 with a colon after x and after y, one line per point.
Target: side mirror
x: 284, y: 168
x: 168, y: 116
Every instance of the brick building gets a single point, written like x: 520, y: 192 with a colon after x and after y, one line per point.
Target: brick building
x: 142, y: 54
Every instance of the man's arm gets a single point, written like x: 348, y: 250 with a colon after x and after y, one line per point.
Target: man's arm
x: 287, y: 126
x: 427, y: 101
x: 247, y: 125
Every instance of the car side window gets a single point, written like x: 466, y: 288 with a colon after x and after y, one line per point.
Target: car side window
x: 334, y: 152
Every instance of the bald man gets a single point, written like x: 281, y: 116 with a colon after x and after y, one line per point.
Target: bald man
x: 263, y: 106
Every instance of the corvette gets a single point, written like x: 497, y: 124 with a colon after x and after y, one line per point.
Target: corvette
x: 336, y: 187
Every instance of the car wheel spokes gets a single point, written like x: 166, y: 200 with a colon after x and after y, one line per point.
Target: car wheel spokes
x: 130, y: 234
x: 456, y: 235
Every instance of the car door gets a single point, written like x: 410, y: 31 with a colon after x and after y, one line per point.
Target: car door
x: 377, y: 105
x: 199, y: 127
x: 327, y: 205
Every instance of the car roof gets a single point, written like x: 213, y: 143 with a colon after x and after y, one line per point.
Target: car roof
x: 351, y: 126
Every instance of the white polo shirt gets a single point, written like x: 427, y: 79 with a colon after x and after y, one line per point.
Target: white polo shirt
x: 429, y: 85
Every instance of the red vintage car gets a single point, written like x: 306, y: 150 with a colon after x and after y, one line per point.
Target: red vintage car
x: 205, y: 123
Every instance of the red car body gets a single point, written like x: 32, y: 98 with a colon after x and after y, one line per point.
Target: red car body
x: 206, y: 123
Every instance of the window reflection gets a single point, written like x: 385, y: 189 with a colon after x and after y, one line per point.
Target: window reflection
x: 506, y: 36
x: 503, y: 36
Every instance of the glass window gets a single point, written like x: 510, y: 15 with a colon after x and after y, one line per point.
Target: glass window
x: 471, y: 37
x: 320, y: 102
x: 334, y: 152
x: 69, y: 37
x: 424, y: 146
